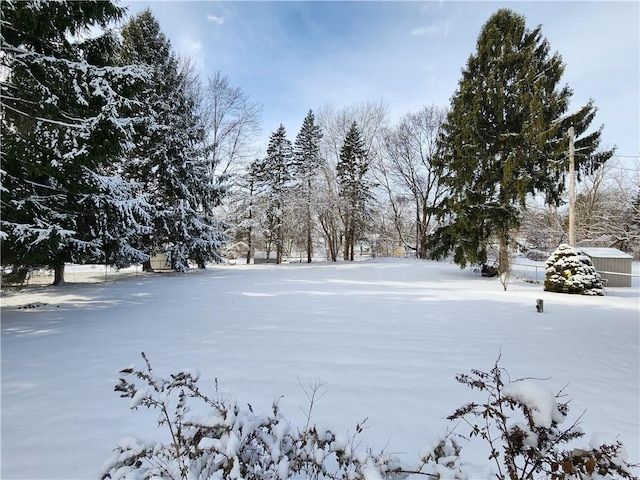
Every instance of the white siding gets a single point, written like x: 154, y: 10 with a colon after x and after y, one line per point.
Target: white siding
x: 611, y: 260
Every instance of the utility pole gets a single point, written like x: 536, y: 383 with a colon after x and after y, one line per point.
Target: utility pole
x: 572, y: 192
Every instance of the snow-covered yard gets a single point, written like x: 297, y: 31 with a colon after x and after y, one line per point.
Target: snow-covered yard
x: 385, y: 337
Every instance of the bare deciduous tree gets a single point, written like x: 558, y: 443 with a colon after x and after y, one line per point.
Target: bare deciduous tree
x: 234, y: 121
x: 607, y: 213
x: 407, y: 174
x: 604, y: 208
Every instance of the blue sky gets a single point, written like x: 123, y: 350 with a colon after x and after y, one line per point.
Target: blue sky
x: 295, y: 56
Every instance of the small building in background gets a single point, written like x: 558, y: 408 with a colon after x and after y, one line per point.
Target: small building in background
x: 617, y: 263
x: 159, y: 262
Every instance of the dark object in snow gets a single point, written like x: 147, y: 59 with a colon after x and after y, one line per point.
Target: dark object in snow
x: 489, y: 271
x: 32, y: 305
x: 539, y: 305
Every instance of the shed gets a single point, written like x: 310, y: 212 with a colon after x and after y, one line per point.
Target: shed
x: 615, y: 262
x: 159, y: 261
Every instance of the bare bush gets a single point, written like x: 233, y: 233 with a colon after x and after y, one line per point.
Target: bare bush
x: 520, y: 422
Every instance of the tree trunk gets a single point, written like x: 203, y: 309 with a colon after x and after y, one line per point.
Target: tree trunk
x: 249, y: 245
x: 418, y: 231
x: 268, y: 247
x: 309, y: 242
x: 335, y: 244
x: 352, y: 243
x: 345, y: 246
x: 424, y: 225
x: 504, y: 259
x: 309, y: 239
x: 58, y: 275
x: 279, y: 246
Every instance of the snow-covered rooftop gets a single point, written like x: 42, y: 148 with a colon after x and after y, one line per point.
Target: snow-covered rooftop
x: 604, y: 252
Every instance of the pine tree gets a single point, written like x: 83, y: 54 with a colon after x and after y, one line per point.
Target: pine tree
x: 170, y: 156
x: 275, y: 174
x: 307, y: 162
x: 66, y: 119
x: 506, y: 138
x: 355, y: 190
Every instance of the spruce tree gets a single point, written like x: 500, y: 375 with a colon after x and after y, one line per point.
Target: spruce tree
x: 506, y: 138
x: 66, y: 120
x: 275, y: 175
x: 355, y: 190
x: 170, y: 155
x: 307, y: 162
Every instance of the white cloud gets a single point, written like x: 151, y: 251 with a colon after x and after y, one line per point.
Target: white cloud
x: 431, y: 30
x: 193, y: 49
x: 214, y: 19
x: 435, y: 30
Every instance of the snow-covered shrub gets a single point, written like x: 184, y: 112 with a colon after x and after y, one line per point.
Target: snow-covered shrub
x: 570, y: 271
x: 521, y: 420
x: 229, y: 442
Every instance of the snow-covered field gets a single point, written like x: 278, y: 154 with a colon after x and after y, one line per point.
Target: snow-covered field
x: 385, y: 337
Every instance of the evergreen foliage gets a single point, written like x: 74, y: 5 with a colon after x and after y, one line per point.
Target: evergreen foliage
x: 569, y: 271
x: 355, y: 190
x: 505, y: 138
x: 67, y: 119
x: 275, y: 174
x: 170, y: 154
x: 306, y: 162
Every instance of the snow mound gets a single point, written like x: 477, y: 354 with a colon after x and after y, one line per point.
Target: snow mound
x: 538, y: 398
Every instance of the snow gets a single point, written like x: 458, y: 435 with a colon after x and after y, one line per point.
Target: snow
x: 383, y: 338
x: 538, y: 398
x: 595, y: 252
x: 138, y: 398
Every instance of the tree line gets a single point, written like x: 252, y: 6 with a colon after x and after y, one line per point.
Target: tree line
x: 113, y: 149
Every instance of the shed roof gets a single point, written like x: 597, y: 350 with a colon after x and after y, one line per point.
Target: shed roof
x: 604, y: 252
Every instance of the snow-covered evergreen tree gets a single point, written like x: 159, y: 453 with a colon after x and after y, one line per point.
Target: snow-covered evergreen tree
x: 275, y: 174
x: 67, y: 117
x: 307, y: 162
x: 570, y: 271
x: 355, y: 189
x: 170, y: 155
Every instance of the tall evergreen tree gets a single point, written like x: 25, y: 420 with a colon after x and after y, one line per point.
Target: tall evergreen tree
x: 170, y: 155
x: 66, y: 120
x: 355, y: 190
x: 307, y: 162
x: 275, y: 174
x: 505, y: 138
